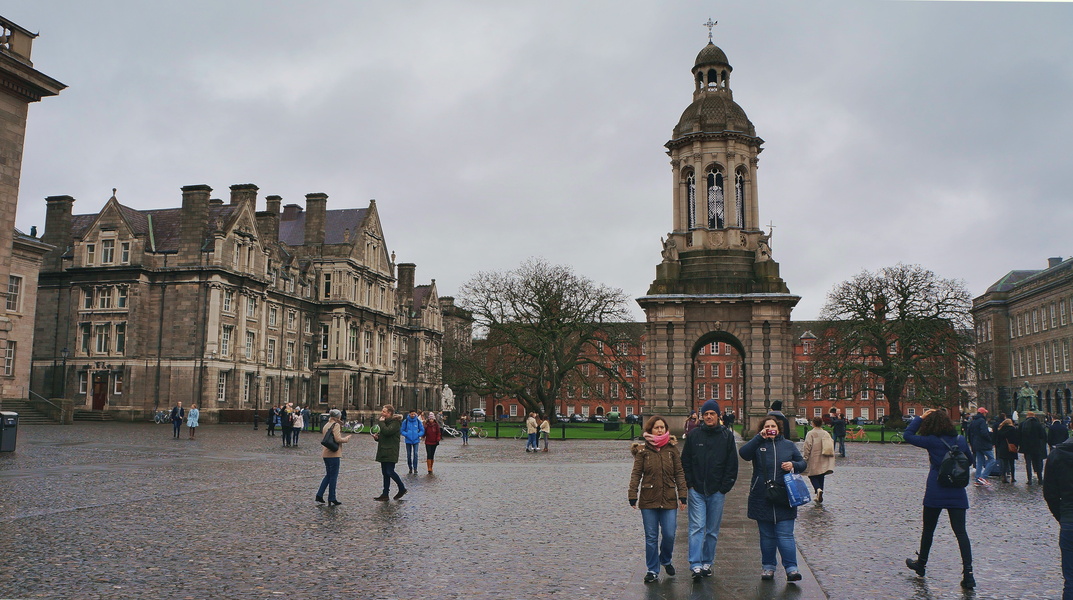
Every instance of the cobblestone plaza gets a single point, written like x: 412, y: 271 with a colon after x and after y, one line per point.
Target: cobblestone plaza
x: 109, y: 510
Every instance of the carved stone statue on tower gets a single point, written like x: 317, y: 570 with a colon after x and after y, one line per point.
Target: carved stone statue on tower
x: 763, y: 250
x: 670, y: 250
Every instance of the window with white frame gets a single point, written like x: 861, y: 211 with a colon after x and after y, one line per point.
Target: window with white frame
x: 85, y: 330
x: 9, y: 358
x: 849, y: 413
x: 251, y: 307
x: 124, y: 253
x: 864, y: 412
x: 585, y: 411
x: 107, y: 252
x: 221, y: 386
x: 83, y: 379
x: 1035, y: 320
x: 1065, y: 355
x: 292, y: 320
x: 87, y: 298
x: 104, y: 297
x: 229, y: 301
x: 121, y: 296
x: 101, y: 333
x: 14, y: 293
x: 730, y: 391
x: 324, y: 329
x: 271, y: 358
x: 700, y: 390
x: 225, y: 340
x: 273, y: 316
x: 912, y: 412
x: 614, y: 390
x: 290, y: 355
x: 817, y: 411
x: 715, y: 391
x: 514, y: 410
x: 91, y: 254
x: 251, y: 340
x: 1054, y: 315
x: 880, y: 412
x: 117, y: 382
x: 121, y: 338
x: 629, y: 410
x: 864, y: 394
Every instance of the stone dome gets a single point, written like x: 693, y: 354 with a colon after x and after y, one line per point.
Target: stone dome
x: 711, y: 55
x: 713, y: 113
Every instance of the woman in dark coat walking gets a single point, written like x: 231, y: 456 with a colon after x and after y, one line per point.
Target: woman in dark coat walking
x: 773, y: 455
x: 1005, y: 434
x: 937, y: 435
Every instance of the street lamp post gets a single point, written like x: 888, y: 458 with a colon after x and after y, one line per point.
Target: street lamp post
x: 63, y: 377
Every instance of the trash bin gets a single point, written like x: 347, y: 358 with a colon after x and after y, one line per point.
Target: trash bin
x: 9, y: 429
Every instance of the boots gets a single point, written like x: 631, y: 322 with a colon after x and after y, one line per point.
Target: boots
x: 429, y: 461
x: 967, y: 580
x: 916, y: 565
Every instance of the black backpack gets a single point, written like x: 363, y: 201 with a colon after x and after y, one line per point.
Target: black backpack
x: 954, y: 470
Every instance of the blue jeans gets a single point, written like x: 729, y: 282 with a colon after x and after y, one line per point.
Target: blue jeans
x: 777, y: 535
x: 175, y: 426
x: 331, y: 475
x: 411, y: 456
x: 985, y: 463
x: 532, y: 442
x: 654, y: 519
x: 705, y: 516
x: 465, y: 435
x: 1065, y: 543
x: 840, y: 443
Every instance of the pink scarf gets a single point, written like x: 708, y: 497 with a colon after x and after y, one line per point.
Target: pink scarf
x: 658, y: 441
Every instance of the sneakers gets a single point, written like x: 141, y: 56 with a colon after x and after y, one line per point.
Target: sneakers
x: 706, y: 570
x: 981, y: 482
x: 819, y: 496
x: 650, y: 577
x: 669, y: 568
x: 793, y: 576
x: 767, y: 575
x: 697, y: 574
x: 915, y: 565
x: 968, y: 581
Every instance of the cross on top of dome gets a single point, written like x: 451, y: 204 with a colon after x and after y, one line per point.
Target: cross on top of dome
x: 709, y: 25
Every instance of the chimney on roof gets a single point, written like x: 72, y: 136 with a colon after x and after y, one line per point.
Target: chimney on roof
x: 58, y: 223
x: 194, y: 217
x: 316, y: 205
x: 268, y: 220
x: 244, y: 192
x: 406, y: 283
x: 1054, y: 261
x: 291, y: 212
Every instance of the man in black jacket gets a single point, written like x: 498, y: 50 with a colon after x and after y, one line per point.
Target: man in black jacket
x: 710, y: 462
x: 1056, y: 433
x: 1033, y: 445
x: 982, y: 446
x: 838, y: 424
x: 1058, y: 492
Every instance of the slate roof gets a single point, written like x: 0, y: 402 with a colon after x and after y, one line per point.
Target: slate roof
x: 1011, y: 280
x: 421, y: 295
x: 711, y: 55
x: 336, y: 223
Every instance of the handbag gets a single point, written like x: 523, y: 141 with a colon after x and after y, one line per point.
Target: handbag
x: 777, y: 494
x: 827, y: 446
x: 1012, y: 447
x: 328, y: 441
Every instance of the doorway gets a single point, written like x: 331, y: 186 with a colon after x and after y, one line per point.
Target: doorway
x: 100, y: 389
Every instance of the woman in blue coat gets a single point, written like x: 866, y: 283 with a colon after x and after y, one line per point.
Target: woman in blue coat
x: 773, y: 455
x: 937, y: 435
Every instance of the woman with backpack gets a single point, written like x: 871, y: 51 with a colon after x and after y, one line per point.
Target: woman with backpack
x: 938, y: 436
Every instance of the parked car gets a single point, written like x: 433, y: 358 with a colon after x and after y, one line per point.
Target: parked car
x: 561, y: 418
x: 597, y: 419
x: 478, y: 413
x: 860, y: 421
x: 576, y: 418
x: 633, y: 419
x: 801, y: 421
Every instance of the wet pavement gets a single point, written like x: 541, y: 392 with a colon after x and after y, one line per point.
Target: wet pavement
x: 116, y: 510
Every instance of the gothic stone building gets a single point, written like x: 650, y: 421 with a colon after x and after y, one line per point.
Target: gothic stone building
x: 217, y: 305
x: 1024, y: 329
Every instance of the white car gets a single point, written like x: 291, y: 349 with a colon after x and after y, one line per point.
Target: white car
x: 801, y: 421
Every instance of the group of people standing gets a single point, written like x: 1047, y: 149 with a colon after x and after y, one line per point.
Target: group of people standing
x: 997, y: 443
x: 387, y: 454
x: 537, y: 427
x: 292, y: 420
x: 698, y: 476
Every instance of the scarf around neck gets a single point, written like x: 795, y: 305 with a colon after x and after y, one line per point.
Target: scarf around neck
x: 658, y: 441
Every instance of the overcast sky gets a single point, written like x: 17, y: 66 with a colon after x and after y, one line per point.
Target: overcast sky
x: 934, y: 133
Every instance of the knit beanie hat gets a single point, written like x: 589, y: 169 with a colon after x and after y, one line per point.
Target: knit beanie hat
x: 710, y: 405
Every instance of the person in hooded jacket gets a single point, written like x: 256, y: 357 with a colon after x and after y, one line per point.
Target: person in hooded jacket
x: 711, y: 469
x: 772, y: 456
x: 937, y: 435
x: 1058, y: 492
x: 1057, y: 432
x: 433, y: 435
x: 412, y: 431
x: 657, y: 473
x: 983, y: 448
x: 1033, y: 445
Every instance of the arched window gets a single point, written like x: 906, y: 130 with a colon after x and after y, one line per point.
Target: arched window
x: 716, y: 212
x: 691, y: 195
x: 739, y: 199
x: 713, y: 79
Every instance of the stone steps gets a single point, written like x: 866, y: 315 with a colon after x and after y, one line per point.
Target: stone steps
x: 28, y: 415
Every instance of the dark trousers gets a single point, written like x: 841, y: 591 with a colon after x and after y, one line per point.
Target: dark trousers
x: 1065, y: 542
x: 957, y: 523
x: 817, y: 481
x: 388, y: 471
x: 294, y: 436
x: 176, y: 426
x: 1034, y: 462
x: 840, y: 443
x: 331, y: 475
x: 1008, y: 468
x: 287, y: 435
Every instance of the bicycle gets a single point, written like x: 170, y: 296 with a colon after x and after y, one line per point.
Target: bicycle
x: 162, y: 416
x: 522, y: 433
x: 477, y: 432
x: 896, y: 438
x: 451, y: 431
x: 353, y: 426
x: 858, y: 434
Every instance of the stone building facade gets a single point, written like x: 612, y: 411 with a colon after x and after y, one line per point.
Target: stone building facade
x: 718, y: 281
x: 20, y: 254
x: 1024, y: 329
x: 219, y: 305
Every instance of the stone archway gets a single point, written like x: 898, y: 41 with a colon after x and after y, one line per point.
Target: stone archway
x: 736, y: 357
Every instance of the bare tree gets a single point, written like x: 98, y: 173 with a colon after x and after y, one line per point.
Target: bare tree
x: 899, y: 328
x: 535, y: 326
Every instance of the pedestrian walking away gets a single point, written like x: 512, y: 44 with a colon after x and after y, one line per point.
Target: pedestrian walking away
x: 463, y: 426
x: 1033, y: 446
x: 412, y: 431
x: 819, y: 453
x: 191, y: 420
x: 433, y: 435
x: 332, y: 431
x: 937, y: 435
x: 298, y: 422
x: 982, y: 447
x: 1007, y: 443
x: 178, y: 413
x: 1058, y: 492
x: 272, y: 420
x: 773, y: 455
x: 710, y: 464
x: 838, y: 431
x: 387, y: 450
x: 545, y: 431
x: 657, y: 473
x: 286, y: 422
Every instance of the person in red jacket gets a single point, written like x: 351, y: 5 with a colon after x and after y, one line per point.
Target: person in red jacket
x: 432, y: 439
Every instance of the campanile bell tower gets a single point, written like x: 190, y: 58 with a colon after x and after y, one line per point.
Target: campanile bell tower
x: 718, y: 281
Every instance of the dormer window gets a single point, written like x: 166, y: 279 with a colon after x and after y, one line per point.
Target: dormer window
x: 107, y: 252
x: 124, y: 253
x: 91, y: 254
